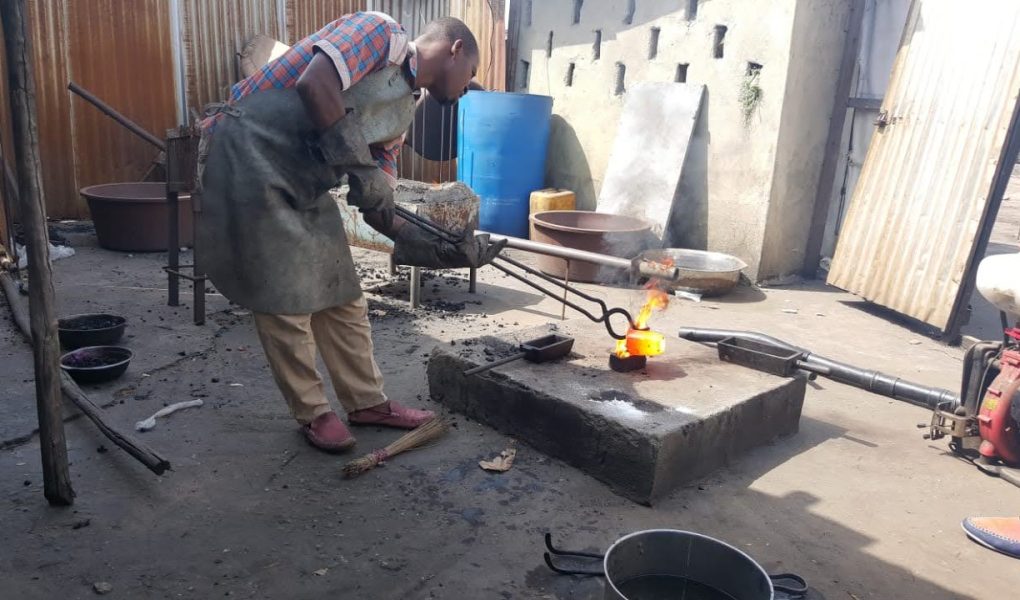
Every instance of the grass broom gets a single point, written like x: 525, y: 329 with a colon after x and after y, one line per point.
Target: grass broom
x: 419, y: 436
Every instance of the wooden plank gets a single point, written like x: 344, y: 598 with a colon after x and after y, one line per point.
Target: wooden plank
x: 43, y: 323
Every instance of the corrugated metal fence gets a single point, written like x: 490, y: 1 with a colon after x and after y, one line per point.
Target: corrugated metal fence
x: 155, y: 60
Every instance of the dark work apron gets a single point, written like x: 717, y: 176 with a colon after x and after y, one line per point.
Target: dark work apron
x: 269, y: 235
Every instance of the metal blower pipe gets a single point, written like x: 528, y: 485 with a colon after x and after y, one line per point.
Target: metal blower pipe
x: 643, y: 268
x: 875, y: 382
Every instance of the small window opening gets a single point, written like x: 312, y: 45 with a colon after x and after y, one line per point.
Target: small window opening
x: 569, y: 80
x: 527, y: 13
x: 577, y: 11
x: 621, y: 74
x: 549, y: 46
x: 753, y: 69
x: 720, y: 40
x: 681, y: 73
x: 525, y: 69
x: 596, y: 49
x: 653, y: 42
x: 692, y: 10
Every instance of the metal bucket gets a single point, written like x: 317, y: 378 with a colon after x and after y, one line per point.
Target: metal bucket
x: 660, y: 564
x: 603, y: 233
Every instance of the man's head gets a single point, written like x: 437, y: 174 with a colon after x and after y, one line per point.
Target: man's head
x: 447, y: 58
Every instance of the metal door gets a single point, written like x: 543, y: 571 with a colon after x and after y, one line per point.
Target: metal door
x: 938, y: 162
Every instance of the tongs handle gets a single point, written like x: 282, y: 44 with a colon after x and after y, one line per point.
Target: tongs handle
x: 495, y: 364
x: 607, y: 312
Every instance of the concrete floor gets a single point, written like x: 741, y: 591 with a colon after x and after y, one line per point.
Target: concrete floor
x: 857, y: 502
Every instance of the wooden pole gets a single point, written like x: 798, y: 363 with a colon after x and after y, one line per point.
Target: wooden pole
x: 32, y: 213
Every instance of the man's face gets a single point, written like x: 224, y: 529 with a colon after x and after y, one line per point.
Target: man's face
x: 457, y: 72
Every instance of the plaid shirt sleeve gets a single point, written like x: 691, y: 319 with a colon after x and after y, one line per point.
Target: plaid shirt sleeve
x: 386, y: 156
x: 362, y: 43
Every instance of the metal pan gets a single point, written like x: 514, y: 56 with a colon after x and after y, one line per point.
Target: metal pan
x: 538, y: 350
x: 701, y: 272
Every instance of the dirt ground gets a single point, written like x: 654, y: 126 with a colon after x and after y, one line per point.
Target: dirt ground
x: 857, y: 502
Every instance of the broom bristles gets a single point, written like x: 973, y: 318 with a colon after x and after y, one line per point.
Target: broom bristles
x: 419, y: 436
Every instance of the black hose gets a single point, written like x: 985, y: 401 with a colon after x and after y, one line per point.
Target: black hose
x: 873, y: 381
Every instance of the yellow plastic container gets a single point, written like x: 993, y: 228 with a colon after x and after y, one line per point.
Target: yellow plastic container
x: 550, y: 199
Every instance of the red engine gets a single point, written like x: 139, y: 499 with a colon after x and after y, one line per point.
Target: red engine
x: 997, y: 422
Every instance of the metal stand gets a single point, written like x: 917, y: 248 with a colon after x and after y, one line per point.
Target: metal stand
x: 181, y: 160
x: 415, y: 287
x: 472, y: 280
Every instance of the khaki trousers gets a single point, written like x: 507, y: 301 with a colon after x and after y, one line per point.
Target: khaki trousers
x: 343, y: 336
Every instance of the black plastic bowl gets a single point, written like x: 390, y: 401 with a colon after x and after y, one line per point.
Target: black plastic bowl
x: 96, y: 364
x: 90, y: 330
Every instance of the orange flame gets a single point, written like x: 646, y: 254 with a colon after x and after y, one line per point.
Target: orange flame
x: 642, y: 341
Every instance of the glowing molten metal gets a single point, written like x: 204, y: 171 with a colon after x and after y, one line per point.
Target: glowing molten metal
x: 642, y: 341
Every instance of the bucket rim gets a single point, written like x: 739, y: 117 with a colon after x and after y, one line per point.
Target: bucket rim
x: 618, y: 542
x: 639, y: 225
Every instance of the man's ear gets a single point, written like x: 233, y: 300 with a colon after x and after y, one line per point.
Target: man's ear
x: 456, y: 46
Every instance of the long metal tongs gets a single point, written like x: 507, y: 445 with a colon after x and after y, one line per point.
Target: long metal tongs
x: 603, y: 318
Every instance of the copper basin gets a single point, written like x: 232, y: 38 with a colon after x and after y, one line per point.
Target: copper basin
x: 132, y: 217
x: 615, y: 235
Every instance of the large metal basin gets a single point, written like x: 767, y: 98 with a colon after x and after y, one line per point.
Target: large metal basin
x: 132, y: 217
x: 701, y: 272
x: 615, y: 235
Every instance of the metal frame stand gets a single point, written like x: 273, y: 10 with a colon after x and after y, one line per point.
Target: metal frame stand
x: 181, y: 160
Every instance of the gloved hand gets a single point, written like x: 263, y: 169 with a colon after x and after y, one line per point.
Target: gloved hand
x: 343, y: 144
x: 343, y: 147
x: 416, y: 247
x: 370, y: 191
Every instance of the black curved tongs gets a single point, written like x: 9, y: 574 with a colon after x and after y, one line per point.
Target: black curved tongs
x: 607, y: 312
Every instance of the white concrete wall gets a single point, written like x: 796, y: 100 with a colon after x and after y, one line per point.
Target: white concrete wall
x: 725, y: 195
x: 803, y: 132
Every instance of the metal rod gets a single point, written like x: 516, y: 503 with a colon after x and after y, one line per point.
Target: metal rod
x: 607, y: 312
x: 566, y: 280
x: 645, y: 268
x: 199, y: 300
x: 116, y: 116
x: 415, y: 287
x: 173, y: 249
x: 493, y: 365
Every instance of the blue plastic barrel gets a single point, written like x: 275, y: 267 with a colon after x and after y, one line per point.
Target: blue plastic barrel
x: 501, y: 146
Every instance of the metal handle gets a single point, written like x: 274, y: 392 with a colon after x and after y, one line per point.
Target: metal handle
x: 493, y: 365
x: 553, y: 550
x: 607, y: 312
x: 789, y: 584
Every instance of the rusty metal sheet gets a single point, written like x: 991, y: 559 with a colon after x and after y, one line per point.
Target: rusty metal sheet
x: 485, y: 19
x: 933, y: 175
x: 122, y: 52
x: 48, y: 33
x: 305, y: 17
x: 212, y: 34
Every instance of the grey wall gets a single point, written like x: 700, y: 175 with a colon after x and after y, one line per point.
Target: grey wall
x: 735, y: 166
x: 803, y: 132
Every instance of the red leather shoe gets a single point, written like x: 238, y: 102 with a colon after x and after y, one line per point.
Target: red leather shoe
x: 391, y: 414
x: 327, y: 432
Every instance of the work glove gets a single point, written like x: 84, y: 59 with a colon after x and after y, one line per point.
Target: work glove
x: 344, y: 148
x: 416, y: 247
x: 371, y: 192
